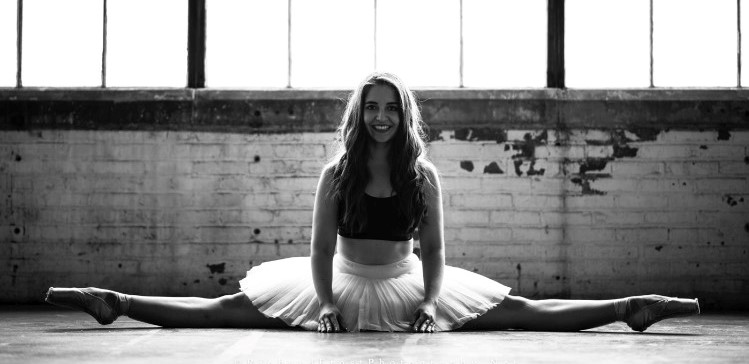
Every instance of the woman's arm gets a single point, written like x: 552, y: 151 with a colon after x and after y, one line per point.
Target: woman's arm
x: 432, y: 251
x: 324, y: 236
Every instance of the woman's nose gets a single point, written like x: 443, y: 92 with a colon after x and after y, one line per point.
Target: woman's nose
x: 381, y: 115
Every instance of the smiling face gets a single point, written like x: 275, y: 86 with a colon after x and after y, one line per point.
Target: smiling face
x: 382, y: 114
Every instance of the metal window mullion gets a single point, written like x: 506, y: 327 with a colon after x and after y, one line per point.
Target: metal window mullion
x: 555, y: 44
x: 738, y: 43
x: 288, y: 46
x: 652, y: 85
x: 375, y: 36
x: 461, y: 44
x: 19, y: 42
x: 104, y: 46
x: 196, y: 44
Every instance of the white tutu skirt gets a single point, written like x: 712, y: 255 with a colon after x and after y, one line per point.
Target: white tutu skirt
x: 370, y: 297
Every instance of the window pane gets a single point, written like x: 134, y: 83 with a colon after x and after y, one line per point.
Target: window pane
x: 8, y: 36
x: 504, y: 43
x: 419, y: 40
x: 607, y: 43
x: 153, y: 53
x: 694, y: 43
x: 332, y: 42
x: 744, y: 43
x: 246, y: 43
x: 62, y: 42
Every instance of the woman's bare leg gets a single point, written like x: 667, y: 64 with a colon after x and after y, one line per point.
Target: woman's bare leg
x: 105, y: 306
x: 638, y: 312
x: 545, y: 315
x: 228, y: 311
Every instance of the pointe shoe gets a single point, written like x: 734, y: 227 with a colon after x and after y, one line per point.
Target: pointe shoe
x: 102, y: 304
x: 663, y: 308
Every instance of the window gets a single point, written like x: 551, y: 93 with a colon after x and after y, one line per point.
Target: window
x: 146, y: 48
x: 694, y: 43
x: 494, y: 44
x: 62, y: 43
x: 332, y: 42
x: 504, y: 43
x: 246, y: 43
x: 607, y: 43
x: 8, y: 37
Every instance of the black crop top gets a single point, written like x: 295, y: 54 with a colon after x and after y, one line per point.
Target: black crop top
x: 382, y: 223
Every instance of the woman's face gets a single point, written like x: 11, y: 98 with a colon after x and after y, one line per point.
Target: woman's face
x: 381, y: 113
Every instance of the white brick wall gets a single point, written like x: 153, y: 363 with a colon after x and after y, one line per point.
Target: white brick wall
x: 153, y: 212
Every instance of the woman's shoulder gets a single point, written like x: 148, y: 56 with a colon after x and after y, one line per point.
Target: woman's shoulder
x: 428, y: 167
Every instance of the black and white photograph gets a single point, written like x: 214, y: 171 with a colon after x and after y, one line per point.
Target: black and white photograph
x: 374, y: 181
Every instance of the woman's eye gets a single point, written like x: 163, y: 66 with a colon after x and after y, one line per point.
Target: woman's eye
x: 369, y: 107
x: 392, y: 108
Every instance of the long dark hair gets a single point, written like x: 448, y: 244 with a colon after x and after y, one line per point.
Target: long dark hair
x: 406, y: 157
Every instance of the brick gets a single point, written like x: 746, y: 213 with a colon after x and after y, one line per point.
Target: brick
x: 589, y: 202
x: 626, y: 169
x: 497, y: 151
x: 595, y: 251
x: 490, y: 185
x: 299, y: 151
x: 537, y: 202
x: 642, y: 201
x: 466, y: 217
x: 520, y: 135
x: 723, y: 219
x: 638, y: 235
x: 587, y: 136
x: 698, y: 254
x: 719, y: 152
x: 292, y: 217
x: 664, y: 152
x: 680, y: 137
x: 617, y: 218
x: 302, y: 184
x: 605, y: 185
x: 560, y: 152
x: 729, y: 169
x: 671, y: 218
x: 476, y: 201
x: 461, y: 184
x: 482, y: 234
x: 687, y: 235
x: 580, y: 234
x: 514, y: 218
x: 539, y: 234
x: 547, y: 186
x: 454, y: 150
x: 702, y: 201
x: 602, y: 151
x: 729, y: 185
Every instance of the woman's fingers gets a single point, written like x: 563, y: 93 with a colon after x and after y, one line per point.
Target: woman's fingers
x: 330, y: 322
x: 424, y: 323
x: 336, y: 324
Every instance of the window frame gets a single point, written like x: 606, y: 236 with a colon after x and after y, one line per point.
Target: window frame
x: 294, y: 109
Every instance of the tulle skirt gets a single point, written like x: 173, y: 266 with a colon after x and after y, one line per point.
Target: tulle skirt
x: 370, y: 297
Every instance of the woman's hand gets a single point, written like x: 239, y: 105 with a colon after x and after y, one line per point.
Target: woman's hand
x: 330, y: 319
x: 424, y: 317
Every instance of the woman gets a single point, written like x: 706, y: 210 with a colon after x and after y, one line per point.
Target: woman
x: 376, y: 193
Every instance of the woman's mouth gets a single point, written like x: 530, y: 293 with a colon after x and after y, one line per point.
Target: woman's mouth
x: 381, y: 127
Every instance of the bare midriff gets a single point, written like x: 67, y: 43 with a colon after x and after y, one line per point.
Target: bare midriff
x: 373, y: 251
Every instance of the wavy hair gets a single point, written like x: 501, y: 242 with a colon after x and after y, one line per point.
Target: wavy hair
x: 406, y: 156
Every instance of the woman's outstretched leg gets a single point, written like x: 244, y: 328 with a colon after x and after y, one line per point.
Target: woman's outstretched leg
x: 573, y: 315
x: 105, y: 306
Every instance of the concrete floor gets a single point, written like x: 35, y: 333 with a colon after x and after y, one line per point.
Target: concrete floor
x: 47, y: 334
